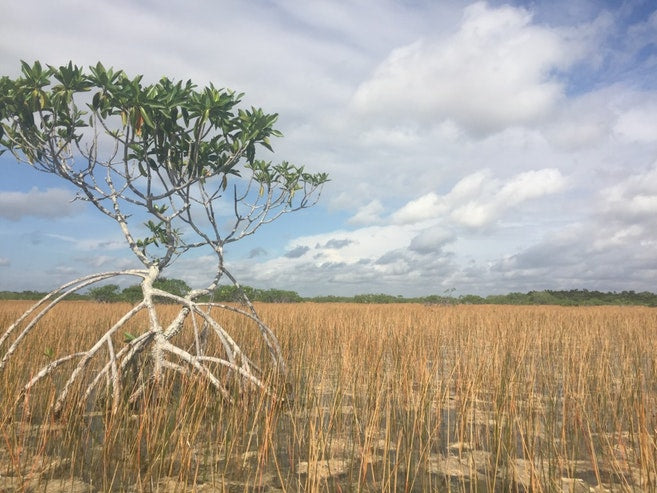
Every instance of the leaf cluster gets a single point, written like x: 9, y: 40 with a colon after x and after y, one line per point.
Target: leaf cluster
x: 169, y: 148
x: 190, y: 132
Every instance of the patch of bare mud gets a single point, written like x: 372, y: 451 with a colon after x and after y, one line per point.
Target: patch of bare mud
x: 324, y: 469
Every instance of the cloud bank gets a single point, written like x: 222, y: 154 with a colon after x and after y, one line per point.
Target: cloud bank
x: 483, y: 146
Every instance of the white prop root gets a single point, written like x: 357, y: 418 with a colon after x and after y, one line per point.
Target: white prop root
x: 120, y: 365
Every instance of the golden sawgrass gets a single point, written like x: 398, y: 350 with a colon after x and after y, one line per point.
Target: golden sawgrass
x: 386, y: 398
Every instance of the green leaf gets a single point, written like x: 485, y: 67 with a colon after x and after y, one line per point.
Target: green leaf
x: 147, y: 119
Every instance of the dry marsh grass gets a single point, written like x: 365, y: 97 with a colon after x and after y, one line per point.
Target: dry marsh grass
x: 386, y: 398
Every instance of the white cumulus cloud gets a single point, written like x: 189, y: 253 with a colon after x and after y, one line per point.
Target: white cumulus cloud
x: 633, y: 199
x: 49, y: 203
x: 431, y: 240
x: 495, y: 71
x: 368, y: 214
x: 480, y: 198
x: 494, y: 198
x: 426, y: 207
x: 639, y: 124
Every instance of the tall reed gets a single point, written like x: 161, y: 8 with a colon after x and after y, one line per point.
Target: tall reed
x: 379, y: 398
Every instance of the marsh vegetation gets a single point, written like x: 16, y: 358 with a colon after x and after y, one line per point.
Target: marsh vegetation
x: 383, y: 398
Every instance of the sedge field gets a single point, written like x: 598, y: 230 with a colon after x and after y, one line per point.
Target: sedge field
x: 380, y: 398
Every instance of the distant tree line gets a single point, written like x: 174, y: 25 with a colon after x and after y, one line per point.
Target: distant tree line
x: 35, y: 295
x: 573, y: 297
x: 226, y: 293
x: 112, y: 293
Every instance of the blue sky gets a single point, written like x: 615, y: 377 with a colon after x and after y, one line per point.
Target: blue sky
x: 485, y: 147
